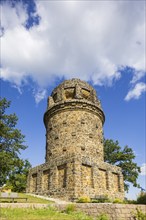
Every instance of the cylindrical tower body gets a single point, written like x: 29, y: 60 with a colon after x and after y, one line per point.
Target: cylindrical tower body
x: 74, y: 121
x: 74, y: 165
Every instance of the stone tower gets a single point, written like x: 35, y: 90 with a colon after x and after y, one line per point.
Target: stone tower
x: 75, y: 164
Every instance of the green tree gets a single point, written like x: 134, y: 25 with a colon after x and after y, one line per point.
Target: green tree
x: 11, y: 144
x: 17, y: 179
x: 123, y: 158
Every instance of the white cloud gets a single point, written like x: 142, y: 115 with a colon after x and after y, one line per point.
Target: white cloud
x: 143, y: 169
x: 13, y: 16
x: 137, y: 76
x: 136, y: 92
x: 85, y: 39
x: 39, y: 95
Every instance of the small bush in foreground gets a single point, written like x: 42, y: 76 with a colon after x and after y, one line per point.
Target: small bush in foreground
x: 80, y: 216
x: 119, y: 201
x: 139, y: 215
x: 84, y: 199
x: 70, y: 208
x: 103, y: 217
x: 101, y: 199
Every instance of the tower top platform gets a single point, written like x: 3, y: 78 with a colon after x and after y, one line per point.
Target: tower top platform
x: 75, y: 89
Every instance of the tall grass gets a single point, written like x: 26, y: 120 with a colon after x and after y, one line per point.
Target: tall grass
x: 40, y: 214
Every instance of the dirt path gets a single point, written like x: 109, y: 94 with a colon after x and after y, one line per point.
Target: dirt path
x: 58, y: 201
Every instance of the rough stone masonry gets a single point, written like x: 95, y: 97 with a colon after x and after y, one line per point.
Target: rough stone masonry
x: 74, y: 165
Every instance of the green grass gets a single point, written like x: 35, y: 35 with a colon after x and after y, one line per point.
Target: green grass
x: 40, y: 214
x: 49, y: 213
x: 31, y: 199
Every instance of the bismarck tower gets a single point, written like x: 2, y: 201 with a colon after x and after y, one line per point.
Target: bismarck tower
x: 75, y: 164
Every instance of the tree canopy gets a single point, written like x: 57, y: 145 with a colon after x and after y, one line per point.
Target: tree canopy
x: 123, y: 158
x: 11, y: 144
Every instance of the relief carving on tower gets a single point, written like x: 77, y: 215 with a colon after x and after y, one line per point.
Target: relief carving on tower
x: 87, y: 176
x: 103, y: 179
x: 46, y: 180
x: 34, y: 182
x: 62, y: 176
x: 115, y: 184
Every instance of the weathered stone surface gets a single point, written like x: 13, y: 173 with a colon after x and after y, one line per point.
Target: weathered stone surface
x: 74, y: 164
x: 113, y: 211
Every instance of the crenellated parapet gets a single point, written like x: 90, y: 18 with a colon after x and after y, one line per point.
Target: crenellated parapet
x: 74, y: 89
x: 72, y: 95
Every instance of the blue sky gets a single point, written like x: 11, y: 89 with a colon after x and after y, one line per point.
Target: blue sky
x: 102, y: 42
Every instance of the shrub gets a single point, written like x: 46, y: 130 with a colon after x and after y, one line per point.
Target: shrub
x: 103, y: 217
x: 95, y: 201
x: 139, y: 215
x: 101, y: 199
x: 141, y: 199
x: 130, y: 202
x: 81, y: 216
x: 84, y: 199
x: 70, y: 208
x: 119, y: 201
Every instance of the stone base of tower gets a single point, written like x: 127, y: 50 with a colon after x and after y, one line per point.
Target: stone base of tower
x: 76, y: 177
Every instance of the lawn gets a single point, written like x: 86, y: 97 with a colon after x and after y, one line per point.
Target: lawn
x: 31, y: 199
x: 40, y: 214
x: 49, y: 213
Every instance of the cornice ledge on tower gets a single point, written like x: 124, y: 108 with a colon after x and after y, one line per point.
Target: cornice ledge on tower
x: 74, y: 105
